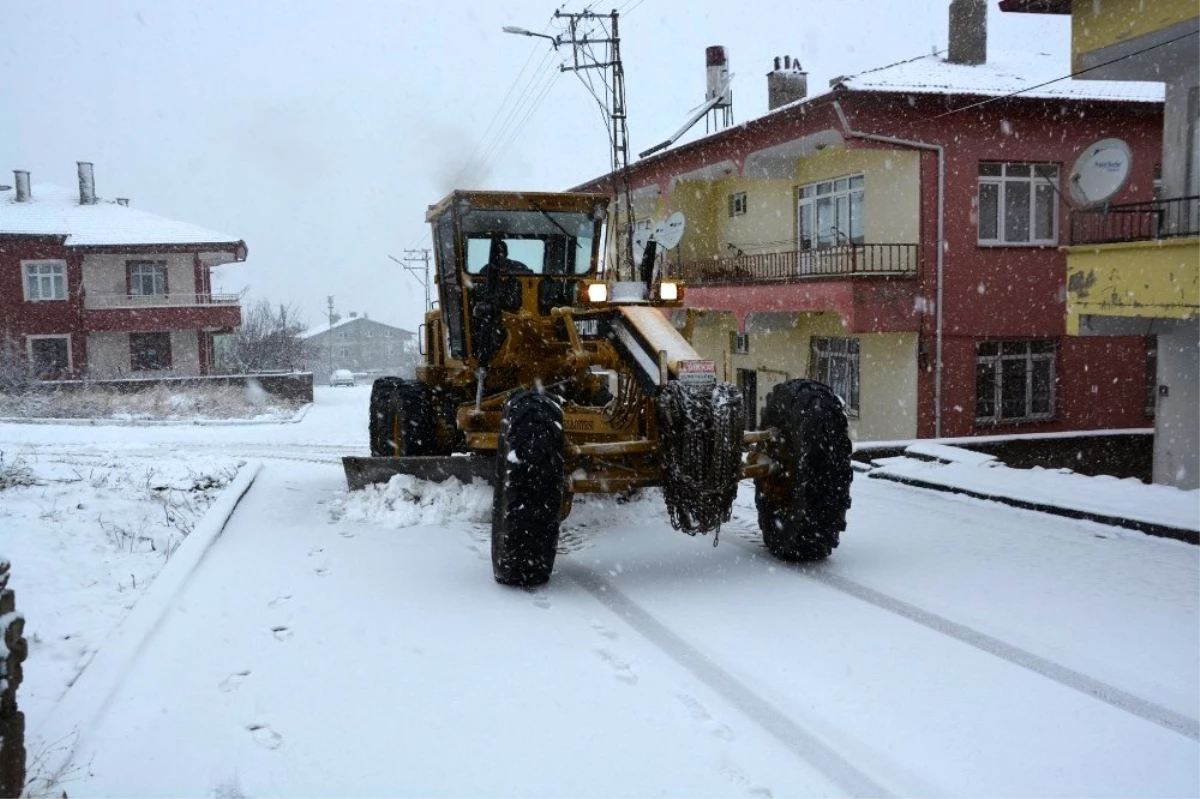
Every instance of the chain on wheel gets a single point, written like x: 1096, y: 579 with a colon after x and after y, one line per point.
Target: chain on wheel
x: 700, y: 435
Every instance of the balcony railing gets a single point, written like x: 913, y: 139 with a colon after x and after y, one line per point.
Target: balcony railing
x: 103, y: 302
x: 1160, y: 219
x: 842, y: 261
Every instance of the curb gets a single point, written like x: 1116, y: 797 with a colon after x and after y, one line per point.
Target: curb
x: 295, y: 418
x: 1149, y: 528
x: 96, y: 685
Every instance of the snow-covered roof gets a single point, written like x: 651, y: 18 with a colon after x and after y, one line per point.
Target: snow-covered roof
x: 325, y: 327
x: 1004, y: 73
x: 55, y: 211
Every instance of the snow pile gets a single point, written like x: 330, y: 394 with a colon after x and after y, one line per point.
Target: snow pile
x: 1127, y: 498
x: 86, y: 534
x: 160, y: 403
x: 407, y: 501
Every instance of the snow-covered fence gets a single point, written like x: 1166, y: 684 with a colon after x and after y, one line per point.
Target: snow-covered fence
x: 13, y: 649
x: 293, y: 386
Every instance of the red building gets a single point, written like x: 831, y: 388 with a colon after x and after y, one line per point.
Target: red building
x: 94, y: 288
x: 898, y: 237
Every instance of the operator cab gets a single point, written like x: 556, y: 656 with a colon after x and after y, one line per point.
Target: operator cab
x: 501, y: 252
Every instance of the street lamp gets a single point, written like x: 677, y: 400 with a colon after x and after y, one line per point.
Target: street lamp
x: 524, y: 32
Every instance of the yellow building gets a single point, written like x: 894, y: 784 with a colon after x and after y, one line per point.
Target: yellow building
x: 1134, y: 268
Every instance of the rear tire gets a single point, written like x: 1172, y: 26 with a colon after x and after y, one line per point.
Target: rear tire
x: 402, y: 421
x: 527, y: 503
x: 802, y: 508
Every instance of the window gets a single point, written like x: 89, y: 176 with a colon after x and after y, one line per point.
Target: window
x: 739, y: 343
x: 343, y: 352
x: 1014, y: 380
x: 387, y: 334
x: 834, y: 362
x: 1018, y: 203
x: 147, y: 278
x: 49, y: 355
x: 149, y: 352
x: 831, y: 213
x: 1151, y: 375
x: 45, y: 280
x: 737, y: 203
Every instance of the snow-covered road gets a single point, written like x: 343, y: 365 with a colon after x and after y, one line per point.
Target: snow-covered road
x: 950, y: 647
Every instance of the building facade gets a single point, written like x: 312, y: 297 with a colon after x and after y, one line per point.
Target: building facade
x: 897, y: 237
x: 91, y: 288
x: 1135, y: 267
x: 364, y: 346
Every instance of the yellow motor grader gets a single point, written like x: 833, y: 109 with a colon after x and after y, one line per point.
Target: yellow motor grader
x: 549, y: 379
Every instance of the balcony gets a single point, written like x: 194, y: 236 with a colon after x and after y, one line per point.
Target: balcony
x: 161, y: 312
x: 96, y: 302
x: 1131, y: 262
x: 849, y: 260
x: 1129, y: 222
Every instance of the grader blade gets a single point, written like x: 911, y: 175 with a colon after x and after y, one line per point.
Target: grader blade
x: 361, y: 472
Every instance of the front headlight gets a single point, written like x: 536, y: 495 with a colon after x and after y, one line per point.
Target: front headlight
x: 597, y: 292
x: 668, y: 292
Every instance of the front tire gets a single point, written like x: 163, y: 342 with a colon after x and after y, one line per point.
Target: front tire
x: 527, y: 502
x: 402, y: 421
x: 802, y: 507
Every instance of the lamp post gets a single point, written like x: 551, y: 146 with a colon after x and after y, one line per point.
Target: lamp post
x: 513, y: 29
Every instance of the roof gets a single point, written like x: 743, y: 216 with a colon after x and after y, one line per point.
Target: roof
x: 325, y: 328
x: 1033, y: 75
x: 55, y: 211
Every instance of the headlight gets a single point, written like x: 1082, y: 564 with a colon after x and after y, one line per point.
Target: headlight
x: 668, y: 292
x: 597, y: 292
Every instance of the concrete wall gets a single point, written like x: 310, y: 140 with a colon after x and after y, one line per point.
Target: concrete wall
x: 107, y: 274
x: 108, y: 356
x: 1176, y: 434
x: 892, y: 188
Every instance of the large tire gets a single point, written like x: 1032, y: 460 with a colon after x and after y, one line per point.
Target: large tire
x: 528, y: 497
x: 802, y: 507
x: 402, y: 421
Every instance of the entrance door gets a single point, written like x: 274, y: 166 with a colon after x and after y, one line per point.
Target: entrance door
x: 747, y: 380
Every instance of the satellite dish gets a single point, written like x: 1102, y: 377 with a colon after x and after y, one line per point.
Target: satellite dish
x: 1100, y: 171
x: 668, y: 232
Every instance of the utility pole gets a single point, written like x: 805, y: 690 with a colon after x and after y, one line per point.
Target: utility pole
x: 329, y: 300
x: 418, y: 255
x: 618, y: 135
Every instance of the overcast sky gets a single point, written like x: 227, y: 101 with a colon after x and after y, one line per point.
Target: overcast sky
x: 320, y: 131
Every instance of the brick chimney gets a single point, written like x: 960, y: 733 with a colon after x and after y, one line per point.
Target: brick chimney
x: 787, y: 83
x: 22, y: 182
x: 968, y: 32
x: 87, y: 183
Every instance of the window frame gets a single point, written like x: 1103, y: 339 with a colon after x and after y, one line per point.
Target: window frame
x: 140, y: 365
x: 40, y: 263
x: 1030, y: 358
x: 30, y: 338
x: 159, y: 267
x: 823, y: 347
x: 737, y: 204
x: 810, y: 195
x: 1002, y: 182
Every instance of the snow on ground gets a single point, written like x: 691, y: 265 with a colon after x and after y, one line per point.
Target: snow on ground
x: 1127, y: 498
x: 355, y: 644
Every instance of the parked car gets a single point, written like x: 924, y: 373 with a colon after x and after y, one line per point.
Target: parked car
x: 341, y: 377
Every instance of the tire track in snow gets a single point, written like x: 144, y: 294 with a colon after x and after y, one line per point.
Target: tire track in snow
x: 800, y: 741
x: 1109, y: 694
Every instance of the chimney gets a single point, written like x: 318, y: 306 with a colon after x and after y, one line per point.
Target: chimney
x: 968, y: 32
x: 87, y: 183
x: 22, y: 176
x: 787, y: 83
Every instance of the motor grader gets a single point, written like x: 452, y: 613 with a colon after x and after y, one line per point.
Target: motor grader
x: 548, y: 379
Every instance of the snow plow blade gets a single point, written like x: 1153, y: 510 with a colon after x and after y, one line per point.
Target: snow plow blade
x: 361, y: 472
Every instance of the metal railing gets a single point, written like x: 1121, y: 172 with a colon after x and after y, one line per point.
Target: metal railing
x: 1148, y: 221
x: 843, y: 260
x: 99, y: 301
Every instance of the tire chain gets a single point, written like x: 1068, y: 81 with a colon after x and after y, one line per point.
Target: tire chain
x: 700, y: 437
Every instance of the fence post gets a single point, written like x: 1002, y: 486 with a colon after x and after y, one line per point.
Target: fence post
x: 13, y: 650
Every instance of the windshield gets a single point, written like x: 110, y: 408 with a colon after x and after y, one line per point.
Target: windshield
x: 543, y: 242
